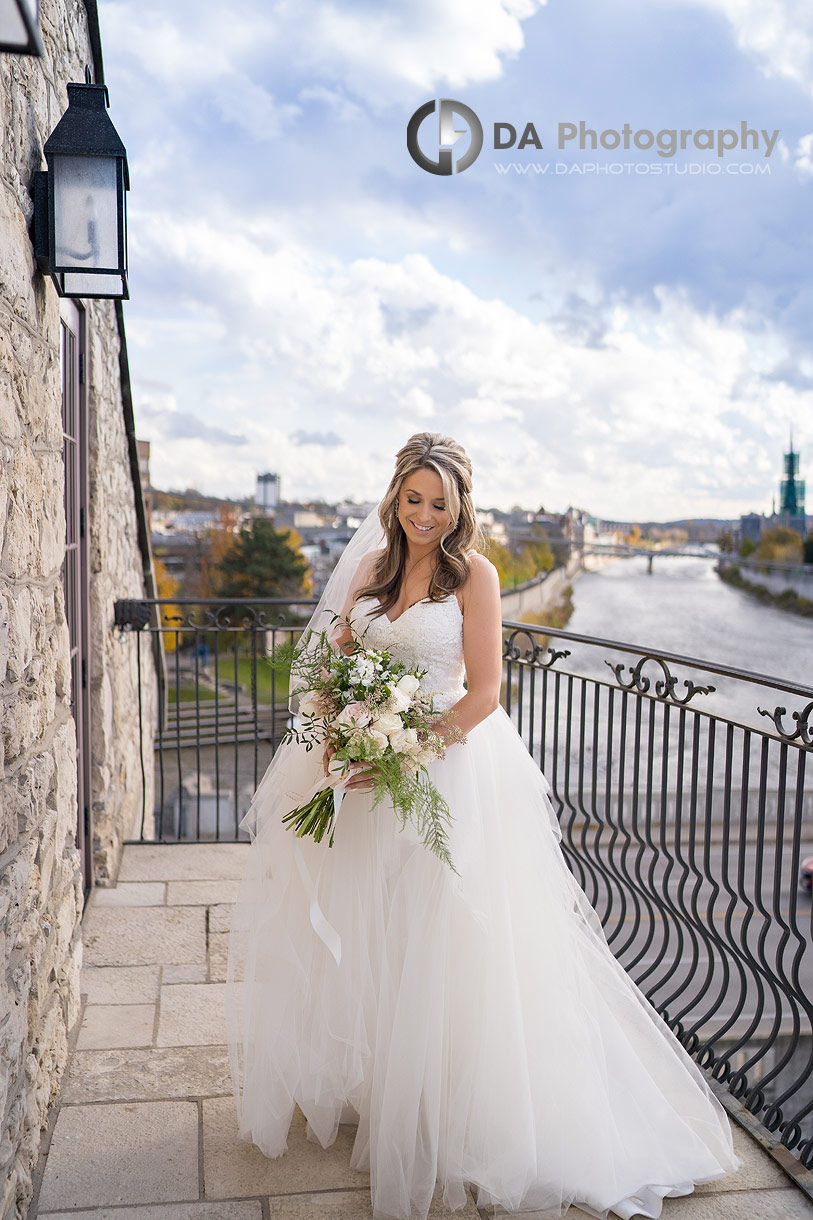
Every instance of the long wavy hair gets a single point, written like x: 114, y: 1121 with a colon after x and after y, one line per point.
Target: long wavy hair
x: 427, y: 451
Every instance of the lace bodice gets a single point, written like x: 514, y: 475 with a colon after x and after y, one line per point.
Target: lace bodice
x: 428, y: 635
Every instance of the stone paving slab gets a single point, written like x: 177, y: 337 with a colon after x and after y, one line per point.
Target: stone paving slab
x: 758, y: 1172
x: 144, y: 936
x: 192, y: 1014
x: 120, y: 984
x: 218, y: 956
x: 202, y: 893
x: 788, y: 1204
x: 132, y: 894
x: 144, y: 1131
x: 190, y: 973
x: 220, y: 917
x: 235, y: 1169
x: 183, y: 862
x: 247, y: 1209
x: 132, y: 1074
x: 116, y: 1025
x: 352, y: 1205
x: 136, y: 1152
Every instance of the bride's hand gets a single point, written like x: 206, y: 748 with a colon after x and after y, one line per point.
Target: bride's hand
x: 358, y: 776
x: 361, y: 776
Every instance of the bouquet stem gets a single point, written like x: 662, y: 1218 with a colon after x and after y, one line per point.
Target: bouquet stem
x: 314, y: 818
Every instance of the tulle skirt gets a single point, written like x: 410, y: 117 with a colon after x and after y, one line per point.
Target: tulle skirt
x: 476, y: 1023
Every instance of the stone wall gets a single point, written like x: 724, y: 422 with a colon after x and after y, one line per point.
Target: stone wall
x: 537, y: 595
x: 40, y: 881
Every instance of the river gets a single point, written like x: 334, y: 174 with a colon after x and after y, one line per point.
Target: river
x: 684, y: 607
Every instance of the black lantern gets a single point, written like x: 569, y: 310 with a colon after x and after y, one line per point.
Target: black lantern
x: 80, y: 217
x: 20, y: 27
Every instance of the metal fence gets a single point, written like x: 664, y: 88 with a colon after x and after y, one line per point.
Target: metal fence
x: 679, y: 785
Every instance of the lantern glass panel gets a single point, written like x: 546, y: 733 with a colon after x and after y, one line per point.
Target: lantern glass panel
x: 77, y: 284
x: 13, y: 31
x: 12, y: 26
x: 86, y: 231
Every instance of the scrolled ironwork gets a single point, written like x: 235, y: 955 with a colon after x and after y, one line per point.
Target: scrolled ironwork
x: 534, y: 654
x: 804, y: 728
x: 664, y: 687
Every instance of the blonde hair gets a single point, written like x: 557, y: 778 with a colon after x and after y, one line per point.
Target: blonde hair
x: 449, y: 460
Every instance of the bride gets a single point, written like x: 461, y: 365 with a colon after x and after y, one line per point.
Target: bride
x: 474, y: 1024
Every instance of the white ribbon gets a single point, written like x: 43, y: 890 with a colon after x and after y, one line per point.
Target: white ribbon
x: 323, y: 929
x: 320, y: 924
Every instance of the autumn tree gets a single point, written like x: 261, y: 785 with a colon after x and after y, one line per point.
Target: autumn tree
x: 167, y: 586
x: 780, y: 545
x: 261, y: 562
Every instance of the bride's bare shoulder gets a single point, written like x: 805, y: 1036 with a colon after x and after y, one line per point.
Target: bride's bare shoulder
x: 483, y: 579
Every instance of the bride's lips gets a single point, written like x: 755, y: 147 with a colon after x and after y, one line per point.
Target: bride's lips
x: 421, y: 529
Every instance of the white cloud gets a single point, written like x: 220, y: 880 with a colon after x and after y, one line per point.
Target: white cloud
x: 803, y: 156
x: 671, y: 415
x: 380, y: 53
x: 383, y: 50
x: 778, y: 33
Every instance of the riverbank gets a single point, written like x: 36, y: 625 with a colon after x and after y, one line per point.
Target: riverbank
x: 547, y: 600
x: 788, y: 599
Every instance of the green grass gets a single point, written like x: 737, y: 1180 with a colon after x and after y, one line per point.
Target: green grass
x: 187, y: 694
x: 225, y: 671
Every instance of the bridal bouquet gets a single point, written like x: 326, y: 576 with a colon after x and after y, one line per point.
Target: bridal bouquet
x: 368, y: 709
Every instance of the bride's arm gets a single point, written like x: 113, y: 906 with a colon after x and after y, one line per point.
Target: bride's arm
x: 482, y: 651
x: 343, y: 641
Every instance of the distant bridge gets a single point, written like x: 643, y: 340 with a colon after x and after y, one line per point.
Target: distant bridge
x: 626, y: 551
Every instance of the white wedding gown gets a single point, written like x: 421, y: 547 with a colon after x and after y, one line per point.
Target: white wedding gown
x: 477, y: 1024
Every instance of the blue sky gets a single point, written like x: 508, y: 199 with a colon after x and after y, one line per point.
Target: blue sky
x: 304, y: 296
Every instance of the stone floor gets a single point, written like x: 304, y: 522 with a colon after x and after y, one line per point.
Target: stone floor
x: 145, y: 1127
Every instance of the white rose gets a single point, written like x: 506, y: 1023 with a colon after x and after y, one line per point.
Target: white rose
x: 398, y: 700
x: 310, y: 704
x: 398, y: 741
x: 387, y: 723
x: 408, y: 684
x: 336, y: 775
x: 379, y: 739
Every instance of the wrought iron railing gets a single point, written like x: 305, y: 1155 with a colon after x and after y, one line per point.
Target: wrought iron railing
x: 680, y: 786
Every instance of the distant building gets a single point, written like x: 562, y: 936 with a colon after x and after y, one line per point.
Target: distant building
x: 268, y: 493
x: 143, y: 450
x: 791, y: 505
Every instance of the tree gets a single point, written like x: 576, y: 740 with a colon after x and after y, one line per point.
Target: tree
x: 219, y: 539
x: 261, y: 562
x: 747, y: 547
x: 725, y: 542
x: 780, y: 545
x: 168, y: 586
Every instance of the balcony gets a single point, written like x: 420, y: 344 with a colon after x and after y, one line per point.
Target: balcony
x: 680, y: 786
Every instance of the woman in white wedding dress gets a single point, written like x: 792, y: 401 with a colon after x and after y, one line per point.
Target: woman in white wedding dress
x: 475, y: 1024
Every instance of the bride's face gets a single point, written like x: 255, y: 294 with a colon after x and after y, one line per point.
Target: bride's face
x: 422, y: 508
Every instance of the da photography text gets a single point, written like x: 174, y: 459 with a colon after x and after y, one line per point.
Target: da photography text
x: 436, y: 152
